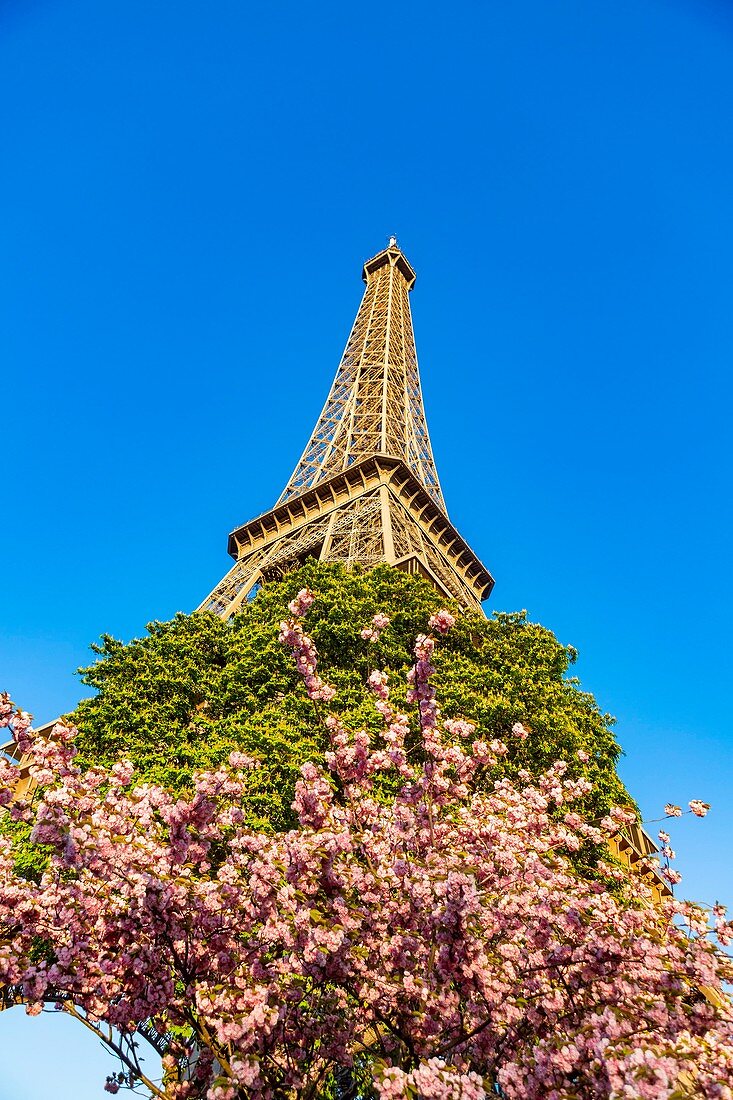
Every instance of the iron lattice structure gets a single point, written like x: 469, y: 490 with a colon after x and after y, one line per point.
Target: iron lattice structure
x: 366, y: 489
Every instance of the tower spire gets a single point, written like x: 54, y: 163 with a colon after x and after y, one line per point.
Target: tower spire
x: 366, y: 489
x: 375, y: 405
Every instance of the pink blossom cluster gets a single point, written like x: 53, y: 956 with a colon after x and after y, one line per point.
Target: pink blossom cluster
x: 19, y: 721
x: 459, y: 727
x: 299, y: 606
x: 670, y: 874
x: 441, y: 622
x: 377, y: 683
x: 396, y: 728
x: 698, y: 808
x: 421, y: 690
x: 432, y: 1080
x: 379, y: 623
x: 294, y: 637
x: 444, y: 935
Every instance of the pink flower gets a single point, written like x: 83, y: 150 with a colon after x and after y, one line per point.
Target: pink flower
x: 672, y: 811
x: 241, y: 760
x: 623, y: 816
x: 458, y: 727
x: 300, y: 605
x: 519, y: 731
x: 372, y: 633
x: 699, y: 808
x: 305, y: 653
x: 582, y: 756
x: 724, y: 932
x: 442, y: 622
x: 123, y: 772
x: 377, y: 683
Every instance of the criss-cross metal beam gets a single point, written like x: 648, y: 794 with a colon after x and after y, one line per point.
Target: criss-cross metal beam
x: 366, y: 488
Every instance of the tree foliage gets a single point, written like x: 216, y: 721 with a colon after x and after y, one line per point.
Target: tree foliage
x: 195, y: 689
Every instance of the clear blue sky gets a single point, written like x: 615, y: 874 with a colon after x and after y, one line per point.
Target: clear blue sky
x: 188, y: 192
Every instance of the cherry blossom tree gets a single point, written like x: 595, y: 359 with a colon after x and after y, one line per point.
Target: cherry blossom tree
x: 445, y: 942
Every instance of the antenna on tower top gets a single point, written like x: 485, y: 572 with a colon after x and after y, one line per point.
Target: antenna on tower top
x: 393, y: 242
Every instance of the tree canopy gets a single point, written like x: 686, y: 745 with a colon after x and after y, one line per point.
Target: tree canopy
x: 194, y: 689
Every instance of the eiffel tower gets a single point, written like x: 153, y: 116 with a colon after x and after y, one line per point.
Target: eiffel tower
x: 366, y: 489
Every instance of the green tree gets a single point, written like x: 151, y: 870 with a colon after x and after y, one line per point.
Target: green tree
x: 194, y: 689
